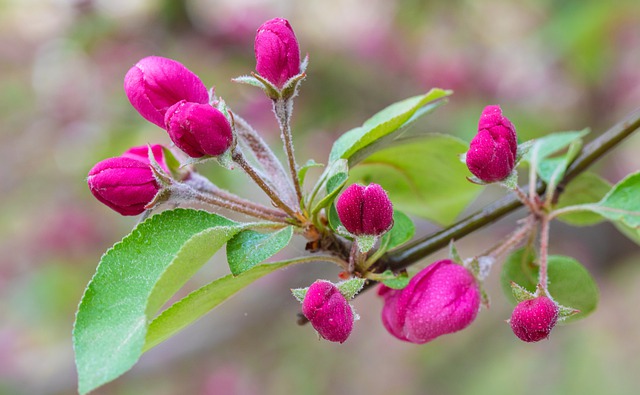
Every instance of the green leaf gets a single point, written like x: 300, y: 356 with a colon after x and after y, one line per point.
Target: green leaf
x: 570, y: 284
x: 248, y: 248
x: 350, y: 288
x: 622, y: 203
x: 402, y: 231
x: 249, y: 80
x: 189, y: 309
x: 333, y: 218
x: 422, y: 176
x: 383, y: 124
x: 133, y: 280
x: 302, y: 171
x: 331, y: 182
x: 299, y: 293
x: 395, y: 281
x: 585, y: 188
x: 631, y: 233
x: 550, y: 144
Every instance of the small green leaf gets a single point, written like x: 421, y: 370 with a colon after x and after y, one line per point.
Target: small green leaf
x: 199, y: 302
x: 331, y: 182
x: 382, y: 124
x: 521, y: 294
x: 585, y: 188
x: 299, y: 293
x: 546, y: 146
x: 422, y: 176
x: 395, y: 281
x: 333, y: 218
x: 366, y: 242
x: 122, y: 297
x: 248, y: 248
x: 402, y: 231
x: 249, y: 80
x: 631, y: 233
x: 350, y: 288
x: 522, y: 150
x: 453, y: 253
x: 622, y: 203
x: 551, y: 170
x: 511, y: 182
x: 570, y: 284
x: 302, y: 171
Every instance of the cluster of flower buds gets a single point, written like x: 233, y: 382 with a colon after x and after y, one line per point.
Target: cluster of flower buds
x: 492, y: 152
x: 168, y: 94
x: 126, y: 183
x: 442, y: 298
x: 328, y: 311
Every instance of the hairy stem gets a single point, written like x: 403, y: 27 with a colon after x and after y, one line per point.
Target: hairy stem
x: 251, y: 172
x: 544, y: 252
x: 282, y: 109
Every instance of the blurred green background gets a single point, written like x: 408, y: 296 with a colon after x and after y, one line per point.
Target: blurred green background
x: 551, y: 65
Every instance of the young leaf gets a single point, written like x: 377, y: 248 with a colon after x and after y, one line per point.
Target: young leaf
x: 121, y: 298
x: 395, y: 281
x: 199, y: 302
x: 350, y: 288
x: 299, y: 293
x: 422, y: 176
x: 302, y: 171
x: 333, y: 218
x: 570, y: 284
x: 248, y: 248
x: 330, y: 184
x: 585, y: 188
x: 402, y: 231
x: 551, y: 170
x: 622, y: 203
x: 382, y: 124
x: 545, y: 146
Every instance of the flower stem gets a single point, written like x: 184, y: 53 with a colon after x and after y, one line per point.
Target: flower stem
x: 251, y: 172
x: 544, y: 251
x: 282, y: 110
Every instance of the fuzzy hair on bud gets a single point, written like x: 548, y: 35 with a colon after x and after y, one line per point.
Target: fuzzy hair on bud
x: 126, y: 183
x: 365, y: 211
x: 492, y: 152
x: 328, y: 311
x: 155, y: 83
x: 442, y: 298
x: 532, y: 320
x: 277, y: 52
x: 198, y: 129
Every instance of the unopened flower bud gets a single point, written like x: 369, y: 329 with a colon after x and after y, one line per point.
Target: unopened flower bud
x: 277, y: 52
x: 492, y: 152
x: 532, y: 320
x: 155, y: 83
x: 365, y: 210
x: 442, y: 298
x: 328, y: 311
x: 198, y: 129
x: 126, y: 183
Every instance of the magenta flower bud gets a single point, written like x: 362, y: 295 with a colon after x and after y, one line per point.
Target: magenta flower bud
x: 532, y: 320
x: 154, y: 84
x: 442, y: 298
x: 328, y: 311
x: 126, y: 183
x: 492, y: 152
x: 365, y: 210
x: 277, y: 52
x: 198, y: 129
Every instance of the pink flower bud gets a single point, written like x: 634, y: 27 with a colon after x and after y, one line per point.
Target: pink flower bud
x: 277, y: 52
x: 126, y: 183
x: 532, y: 320
x: 198, y: 129
x: 492, y: 152
x: 365, y: 210
x: 442, y: 298
x: 154, y: 84
x: 328, y: 311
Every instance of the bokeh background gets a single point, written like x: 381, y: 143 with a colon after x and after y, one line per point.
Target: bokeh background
x: 552, y: 65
